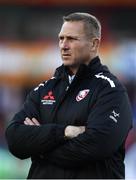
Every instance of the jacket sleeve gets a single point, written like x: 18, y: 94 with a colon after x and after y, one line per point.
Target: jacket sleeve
x: 107, y: 126
x: 24, y: 140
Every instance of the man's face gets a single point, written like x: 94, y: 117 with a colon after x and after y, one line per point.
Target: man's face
x: 74, y: 44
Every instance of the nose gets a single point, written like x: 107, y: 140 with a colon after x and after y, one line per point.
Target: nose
x: 64, y: 44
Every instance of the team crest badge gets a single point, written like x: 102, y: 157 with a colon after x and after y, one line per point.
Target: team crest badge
x: 82, y: 94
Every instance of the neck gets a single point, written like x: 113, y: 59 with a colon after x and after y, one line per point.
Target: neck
x: 91, y: 58
x: 73, y: 70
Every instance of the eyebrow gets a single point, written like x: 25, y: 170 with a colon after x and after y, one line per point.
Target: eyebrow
x: 69, y: 36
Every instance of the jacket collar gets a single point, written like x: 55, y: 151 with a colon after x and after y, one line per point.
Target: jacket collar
x: 94, y: 67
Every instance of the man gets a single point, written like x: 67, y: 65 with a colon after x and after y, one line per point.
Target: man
x: 75, y: 124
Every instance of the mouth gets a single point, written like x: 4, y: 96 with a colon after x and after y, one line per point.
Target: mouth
x: 66, y: 55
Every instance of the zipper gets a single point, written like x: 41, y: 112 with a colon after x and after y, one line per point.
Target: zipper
x: 67, y: 90
x: 60, y: 100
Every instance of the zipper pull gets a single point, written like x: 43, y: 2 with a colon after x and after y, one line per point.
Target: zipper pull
x: 67, y: 88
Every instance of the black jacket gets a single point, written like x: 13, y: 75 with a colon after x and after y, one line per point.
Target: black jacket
x: 95, y: 99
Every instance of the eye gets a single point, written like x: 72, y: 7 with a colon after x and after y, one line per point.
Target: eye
x: 61, y: 37
x: 72, y: 38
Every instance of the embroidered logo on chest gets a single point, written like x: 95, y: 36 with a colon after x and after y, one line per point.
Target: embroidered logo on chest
x: 82, y: 94
x: 48, y: 99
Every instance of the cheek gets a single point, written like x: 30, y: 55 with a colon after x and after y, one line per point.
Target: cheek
x: 79, y: 50
x: 60, y: 45
x: 84, y: 54
x: 82, y: 51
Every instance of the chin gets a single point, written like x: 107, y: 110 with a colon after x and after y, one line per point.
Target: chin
x: 66, y: 63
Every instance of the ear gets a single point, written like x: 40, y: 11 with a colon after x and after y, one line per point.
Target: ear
x: 95, y: 42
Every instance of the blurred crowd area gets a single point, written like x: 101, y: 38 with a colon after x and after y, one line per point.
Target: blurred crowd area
x: 29, y: 54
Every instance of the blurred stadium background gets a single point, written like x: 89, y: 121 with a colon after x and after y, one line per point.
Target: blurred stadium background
x: 29, y: 55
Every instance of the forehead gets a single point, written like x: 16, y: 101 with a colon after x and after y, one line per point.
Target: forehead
x: 74, y: 28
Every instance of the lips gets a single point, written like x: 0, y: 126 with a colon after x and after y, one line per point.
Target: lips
x: 65, y: 55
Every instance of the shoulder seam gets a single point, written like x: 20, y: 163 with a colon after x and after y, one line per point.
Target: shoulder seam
x: 43, y: 84
x: 111, y: 82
